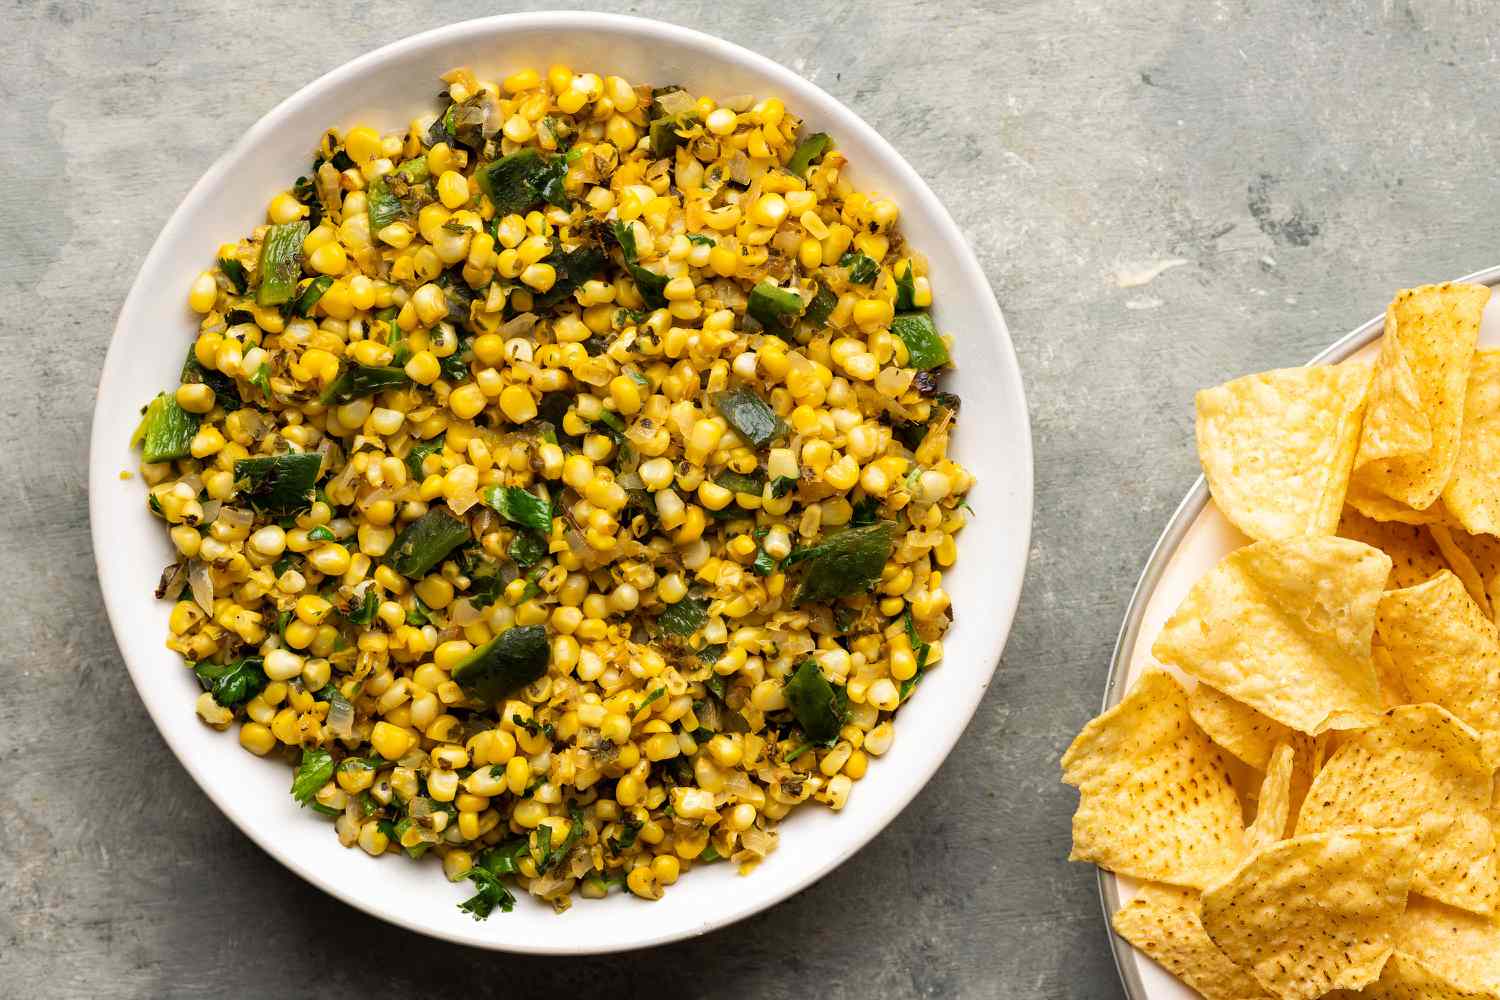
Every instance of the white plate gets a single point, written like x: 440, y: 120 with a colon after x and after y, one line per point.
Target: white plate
x: 387, y: 88
x: 1195, y: 539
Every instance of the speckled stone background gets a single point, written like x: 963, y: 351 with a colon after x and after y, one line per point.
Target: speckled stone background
x: 1297, y: 162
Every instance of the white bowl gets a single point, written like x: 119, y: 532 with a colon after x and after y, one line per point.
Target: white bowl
x: 387, y: 88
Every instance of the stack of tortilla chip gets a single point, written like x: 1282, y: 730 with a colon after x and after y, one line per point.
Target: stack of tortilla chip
x: 1306, y: 792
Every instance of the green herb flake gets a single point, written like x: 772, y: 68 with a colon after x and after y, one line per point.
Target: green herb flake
x: 862, y: 269
x: 232, y: 684
x: 315, y: 771
x: 520, y: 507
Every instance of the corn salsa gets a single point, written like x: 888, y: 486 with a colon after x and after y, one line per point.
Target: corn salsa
x: 559, y: 486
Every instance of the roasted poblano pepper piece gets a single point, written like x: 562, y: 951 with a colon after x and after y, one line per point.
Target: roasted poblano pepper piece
x: 280, y: 263
x: 819, y: 706
x: 511, y: 660
x: 774, y: 306
x: 846, y: 563
x: 311, y: 294
x: 808, y: 152
x: 924, y: 347
x: 427, y: 541
x: 167, y: 430
x: 751, y: 417
x: 518, y: 182
x: 683, y: 618
x: 651, y: 285
x: 279, y: 484
x: 358, y: 381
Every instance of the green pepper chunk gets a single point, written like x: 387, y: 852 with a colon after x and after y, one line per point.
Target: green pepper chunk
x: 279, y: 484
x: 573, y: 268
x: 167, y: 430
x: 651, y: 285
x: 751, y: 417
x: 311, y: 294
x: 382, y: 203
x: 427, y: 541
x: 511, y: 660
x: 924, y: 348
x: 809, y: 150
x: 519, y: 181
x: 683, y: 618
x: 358, y: 381
x: 821, y: 307
x: 280, y: 263
x: 819, y: 706
x: 774, y: 306
x: 846, y: 563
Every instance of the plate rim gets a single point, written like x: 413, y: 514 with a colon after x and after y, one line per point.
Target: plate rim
x: 1156, y: 564
x: 103, y: 445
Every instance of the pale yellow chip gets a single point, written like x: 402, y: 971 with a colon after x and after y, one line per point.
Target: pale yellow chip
x: 1444, y: 649
x: 1236, y: 727
x: 1314, y: 913
x: 1436, y: 328
x: 1392, y: 688
x: 1463, y: 946
x: 1380, y: 507
x: 1484, y: 554
x: 1162, y: 921
x: 1285, y: 628
x: 1277, y: 448
x: 1418, y: 766
x: 1155, y: 800
x: 1414, y: 555
x: 1274, y: 806
x: 1473, y: 494
x: 1406, y: 978
x: 1395, y: 423
x: 1462, y: 566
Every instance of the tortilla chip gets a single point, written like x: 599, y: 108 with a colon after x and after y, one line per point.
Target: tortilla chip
x: 1237, y: 728
x: 1405, y: 978
x: 1420, y: 767
x: 1473, y: 494
x: 1392, y: 688
x: 1379, y: 507
x: 1278, y: 447
x: 1162, y: 921
x: 1436, y: 328
x: 1285, y: 628
x: 1463, y: 946
x: 1484, y: 553
x: 1395, y: 423
x: 1463, y: 567
x: 1155, y: 800
x: 1444, y: 649
x: 1414, y: 555
x: 1274, y: 806
x: 1314, y: 913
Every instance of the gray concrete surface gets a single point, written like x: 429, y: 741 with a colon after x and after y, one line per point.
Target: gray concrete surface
x: 1303, y: 160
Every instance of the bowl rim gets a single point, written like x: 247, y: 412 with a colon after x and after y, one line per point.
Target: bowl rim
x: 1183, y: 518
x: 103, y: 446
